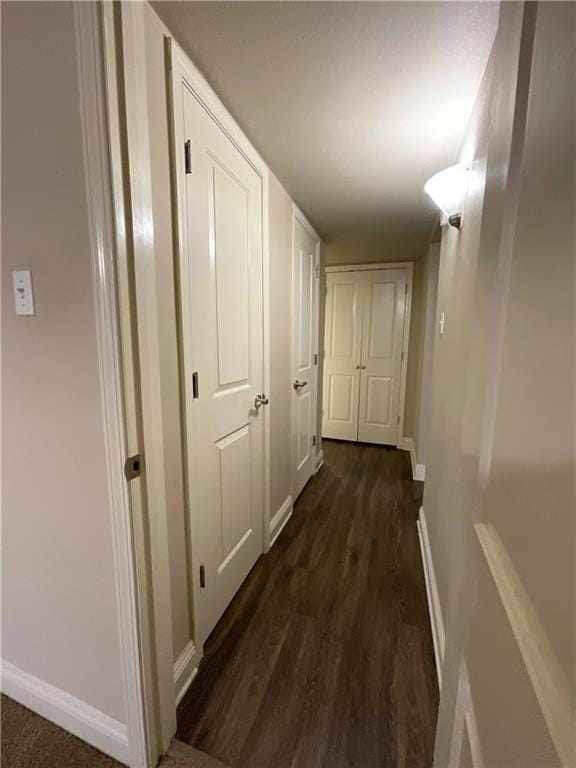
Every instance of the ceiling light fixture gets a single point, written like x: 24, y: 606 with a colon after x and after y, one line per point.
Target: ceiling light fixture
x: 448, y: 189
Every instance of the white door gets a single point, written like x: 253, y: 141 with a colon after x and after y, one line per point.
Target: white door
x: 366, y: 312
x: 222, y: 319
x: 342, y: 353
x: 384, y: 303
x: 304, y: 354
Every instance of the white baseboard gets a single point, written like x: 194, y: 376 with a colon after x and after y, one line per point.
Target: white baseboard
x: 465, y: 728
x: 436, y: 620
x: 185, y: 670
x: 319, y: 460
x: 418, y: 470
x: 280, y: 519
x: 88, y: 723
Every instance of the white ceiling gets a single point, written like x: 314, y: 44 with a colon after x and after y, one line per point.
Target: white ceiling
x: 352, y: 104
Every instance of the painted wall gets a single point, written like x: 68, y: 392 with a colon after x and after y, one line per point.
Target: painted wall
x: 280, y: 234
x: 367, y: 251
x: 430, y: 268
x: 499, y: 498
x: 59, y: 620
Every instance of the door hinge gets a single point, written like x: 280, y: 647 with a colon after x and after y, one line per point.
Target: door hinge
x: 398, y: 419
x: 317, y: 270
x: 188, y: 156
x: 195, y: 389
x: 315, y: 358
x: 133, y: 466
x: 313, y: 439
x: 406, y: 289
x: 402, y: 356
x: 202, y: 577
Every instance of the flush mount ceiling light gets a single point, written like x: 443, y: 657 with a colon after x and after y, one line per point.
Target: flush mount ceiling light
x: 448, y: 189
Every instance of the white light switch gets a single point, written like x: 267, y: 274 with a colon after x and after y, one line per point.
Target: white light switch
x: 23, y: 296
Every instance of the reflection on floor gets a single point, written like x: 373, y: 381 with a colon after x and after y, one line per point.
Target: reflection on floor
x: 325, y: 657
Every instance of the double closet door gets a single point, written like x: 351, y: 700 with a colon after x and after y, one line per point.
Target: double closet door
x: 366, y: 321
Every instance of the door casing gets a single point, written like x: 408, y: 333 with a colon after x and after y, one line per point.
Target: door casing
x: 408, y: 266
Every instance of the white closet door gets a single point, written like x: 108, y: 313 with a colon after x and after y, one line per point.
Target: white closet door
x: 222, y: 314
x: 384, y: 301
x: 342, y: 349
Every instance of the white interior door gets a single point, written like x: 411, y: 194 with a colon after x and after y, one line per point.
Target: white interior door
x: 304, y: 354
x: 342, y: 353
x: 384, y: 302
x: 222, y: 319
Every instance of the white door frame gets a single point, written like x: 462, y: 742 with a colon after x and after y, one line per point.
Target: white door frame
x: 105, y: 204
x: 297, y: 215
x: 409, y: 267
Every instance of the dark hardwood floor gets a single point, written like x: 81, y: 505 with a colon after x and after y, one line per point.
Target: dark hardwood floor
x: 325, y: 656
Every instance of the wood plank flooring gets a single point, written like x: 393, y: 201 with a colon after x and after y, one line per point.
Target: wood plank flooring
x: 325, y: 658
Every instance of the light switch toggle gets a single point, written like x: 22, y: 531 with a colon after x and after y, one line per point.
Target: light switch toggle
x: 23, y: 296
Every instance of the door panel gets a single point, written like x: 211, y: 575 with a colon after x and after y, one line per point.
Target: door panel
x: 304, y: 444
x: 234, y: 465
x: 381, y: 321
x: 222, y: 326
x: 304, y: 300
x: 379, y: 401
x: 229, y: 225
x: 384, y: 293
x: 340, y: 406
x: 343, y: 332
x: 342, y: 346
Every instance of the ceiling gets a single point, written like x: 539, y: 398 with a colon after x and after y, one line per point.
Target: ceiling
x: 352, y: 104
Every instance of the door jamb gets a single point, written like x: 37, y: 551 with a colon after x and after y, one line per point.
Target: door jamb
x: 297, y: 215
x: 401, y: 440
x: 97, y: 82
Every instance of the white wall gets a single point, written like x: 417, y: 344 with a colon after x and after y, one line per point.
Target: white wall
x: 427, y: 337
x: 280, y: 233
x: 499, y: 499
x: 59, y: 619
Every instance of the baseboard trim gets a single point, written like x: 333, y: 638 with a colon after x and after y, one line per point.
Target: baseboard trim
x: 76, y: 716
x: 319, y: 461
x: 185, y: 670
x: 418, y: 470
x: 280, y: 519
x: 436, y: 620
x: 465, y: 728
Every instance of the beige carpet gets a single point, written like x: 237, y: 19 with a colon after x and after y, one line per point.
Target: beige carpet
x: 30, y: 741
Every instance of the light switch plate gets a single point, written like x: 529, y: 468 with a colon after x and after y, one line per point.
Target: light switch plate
x: 23, y: 296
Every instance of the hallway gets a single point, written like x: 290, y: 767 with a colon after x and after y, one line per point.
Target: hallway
x: 324, y: 657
